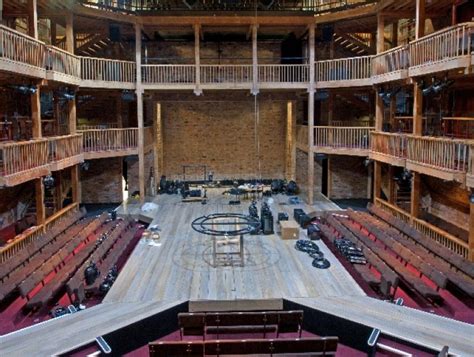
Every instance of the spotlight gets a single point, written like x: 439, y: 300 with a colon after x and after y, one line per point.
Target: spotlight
x: 85, y: 166
x: 471, y: 197
x: 440, y: 86
x: 367, y: 162
x: 48, y: 182
x: 428, y: 90
x: 24, y: 89
x: 128, y: 96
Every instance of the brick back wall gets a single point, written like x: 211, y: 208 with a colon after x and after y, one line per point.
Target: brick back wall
x: 349, y: 177
x: 221, y: 135
x: 102, y: 183
x: 132, y: 172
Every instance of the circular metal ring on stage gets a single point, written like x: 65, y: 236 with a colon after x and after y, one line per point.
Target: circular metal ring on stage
x: 225, y: 224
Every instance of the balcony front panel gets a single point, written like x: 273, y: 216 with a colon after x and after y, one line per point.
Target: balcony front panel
x: 21, y: 54
x: 444, y: 158
x: 353, y: 141
x: 104, y: 143
x: 389, y: 148
x: 391, y: 65
x: 344, y: 72
x: 226, y: 76
x: 62, y: 66
x: 283, y: 75
x: 65, y: 151
x: 108, y: 73
x: 442, y: 51
x: 169, y: 76
x: 23, y: 161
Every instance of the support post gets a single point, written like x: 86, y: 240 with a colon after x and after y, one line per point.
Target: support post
x: 329, y: 193
x: 395, y: 34
x: 471, y: 232
x: 380, y: 33
x: 70, y: 46
x: 36, y: 113
x: 158, y: 142
x: 58, y: 193
x: 290, y: 171
x: 415, y: 195
x: 393, y: 111
x: 370, y: 176
x: 255, y: 89
x: 39, y: 199
x: 197, y: 58
x: 417, y: 110
x: 311, y: 90
x: 377, y: 179
x: 72, y: 116
x: 420, y: 19
x: 53, y: 32
x: 33, y: 18
x: 139, y: 93
x: 391, y: 186
x: 1, y: 12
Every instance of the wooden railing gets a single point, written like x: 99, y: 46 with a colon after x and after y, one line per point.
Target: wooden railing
x: 61, y: 61
x: 302, y: 135
x: 444, y: 238
x: 21, y: 48
x: 110, y: 139
x: 389, y: 144
x: 442, y: 45
x: 343, y: 69
x: 442, y: 153
x: 221, y: 73
x: 64, y: 147
x: 393, y: 60
x: 169, y: 74
x: 342, y: 137
x: 352, y: 123
x: 283, y: 73
x: 102, y: 69
x: 458, y: 127
x: 97, y: 126
x: 23, y: 156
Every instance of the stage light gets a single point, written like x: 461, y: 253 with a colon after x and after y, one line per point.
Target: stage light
x: 25, y: 89
x: 128, y: 96
x: 440, y: 86
x: 48, y: 182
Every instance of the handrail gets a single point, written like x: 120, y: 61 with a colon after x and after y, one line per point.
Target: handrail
x: 444, y: 238
x: 390, y: 144
x: 283, y: 73
x: 226, y: 73
x: 448, y: 43
x: 342, y: 137
x: 21, y: 48
x: 100, y: 140
x: 61, y: 61
x: 392, y: 60
x: 169, y: 74
x: 22, y: 156
x: 63, y: 147
x: 343, y: 69
x: 110, y: 70
x: 444, y: 153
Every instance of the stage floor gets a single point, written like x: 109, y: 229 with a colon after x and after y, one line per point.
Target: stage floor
x: 179, y: 266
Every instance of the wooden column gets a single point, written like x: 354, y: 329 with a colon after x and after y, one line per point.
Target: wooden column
x: 311, y: 90
x: 391, y: 185
x: 471, y: 232
x: 415, y: 195
x: 36, y: 113
x: 118, y: 106
x: 330, y: 107
x: 33, y: 18
x: 393, y: 111
x: 53, y: 32
x: 197, y: 58
x: 139, y: 93
x: 417, y: 110
x: 395, y: 34
x: 1, y: 12
x: 377, y: 179
x: 72, y: 116
x: 380, y: 33
x: 58, y: 193
x: 158, y: 147
x: 420, y: 19
x: 329, y: 177
x: 370, y: 177
x: 290, y: 172
x: 70, y: 46
x: 39, y: 199
x: 255, y: 89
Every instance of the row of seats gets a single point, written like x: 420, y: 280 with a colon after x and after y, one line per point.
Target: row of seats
x: 217, y: 323
x: 438, y: 250
x: 316, y: 346
x: 24, y: 255
x: 50, y: 254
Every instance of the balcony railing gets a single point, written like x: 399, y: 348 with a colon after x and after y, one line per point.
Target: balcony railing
x: 108, y: 70
x: 21, y: 157
x: 110, y: 142
x: 63, y: 62
x: 283, y: 73
x: 350, y: 140
x: 169, y: 74
x: 439, y: 153
x: 65, y: 151
x: 21, y: 49
x: 388, y: 147
x: 392, y: 62
x: 344, y: 69
x: 440, y: 47
x: 235, y: 74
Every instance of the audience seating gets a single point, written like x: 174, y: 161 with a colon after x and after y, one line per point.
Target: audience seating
x: 317, y: 346
x: 217, y: 323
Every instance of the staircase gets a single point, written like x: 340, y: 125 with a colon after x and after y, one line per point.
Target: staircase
x: 91, y: 45
x: 353, y: 44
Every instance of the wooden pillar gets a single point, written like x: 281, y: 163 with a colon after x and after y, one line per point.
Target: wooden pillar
x: 380, y: 33
x: 415, y: 195
x: 158, y: 147
x: 70, y: 46
x: 1, y: 12
x: 420, y: 19
x: 377, y: 179
x: 417, y: 110
x: 391, y: 185
x: 393, y: 111
x: 139, y: 93
x: 290, y: 172
x: 53, y: 32
x: 36, y: 113
x: 330, y: 107
x: 197, y: 58
x: 471, y: 232
x: 58, y: 193
x: 370, y: 176
x: 255, y: 89
x: 72, y: 116
x: 39, y: 199
x: 329, y: 193
x: 118, y: 106
x: 454, y: 8
x: 33, y: 18
x: 311, y: 90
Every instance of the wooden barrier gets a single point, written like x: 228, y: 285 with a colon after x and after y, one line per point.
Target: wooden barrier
x: 283, y: 73
x: 222, y: 73
x: 344, y: 69
x: 389, y: 144
x: 342, y: 137
x: 64, y: 147
x: 393, y: 60
x: 22, y: 156
x: 444, y: 238
x: 442, y: 153
x: 110, y: 140
x: 63, y: 62
x: 108, y: 70
x: 20, y: 48
x: 169, y: 74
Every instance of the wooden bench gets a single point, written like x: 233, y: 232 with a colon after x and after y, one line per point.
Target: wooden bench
x: 316, y: 346
x: 217, y: 323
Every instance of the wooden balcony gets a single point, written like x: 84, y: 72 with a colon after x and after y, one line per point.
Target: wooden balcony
x: 65, y: 151
x: 21, y: 54
x: 444, y: 158
x: 169, y: 76
x: 302, y: 137
x: 446, y: 239
x: 283, y: 75
x: 353, y: 141
x: 63, y: 66
x: 391, y: 65
x: 441, y: 51
x: 470, y: 169
x: 226, y: 76
x: 104, y: 143
x: 344, y: 72
x: 107, y: 73
x: 390, y: 148
x: 23, y: 161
